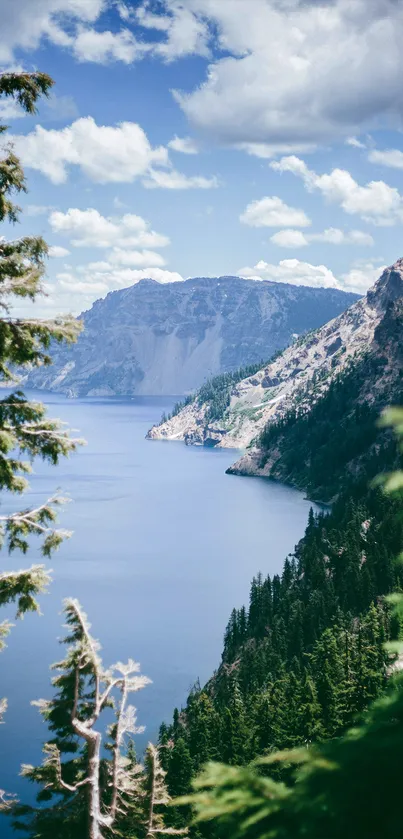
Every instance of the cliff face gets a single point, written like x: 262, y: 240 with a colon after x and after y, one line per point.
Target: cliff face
x: 167, y: 339
x: 296, y: 379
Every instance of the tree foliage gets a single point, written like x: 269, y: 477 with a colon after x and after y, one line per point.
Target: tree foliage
x: 340, y: 787
x: 88, y: 794
x: 26, y: 432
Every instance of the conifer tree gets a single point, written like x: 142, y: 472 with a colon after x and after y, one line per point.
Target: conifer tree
x: 91, y: 793
x: 25, y: 431
x: 347, y: 786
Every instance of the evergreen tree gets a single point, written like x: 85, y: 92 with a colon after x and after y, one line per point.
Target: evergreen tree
x: 25, y: 431
x: 344, y: 787
x: 180, y: 768
x: 88, y: 793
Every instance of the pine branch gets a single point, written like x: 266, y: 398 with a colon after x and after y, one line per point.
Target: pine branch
x: 16, y: 527
x: 23, y: 586
x: 25, y: 88
x: 53, y: 759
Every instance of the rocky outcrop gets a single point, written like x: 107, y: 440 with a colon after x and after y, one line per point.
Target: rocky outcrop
x: 295, y: 379
x: 167, y: 339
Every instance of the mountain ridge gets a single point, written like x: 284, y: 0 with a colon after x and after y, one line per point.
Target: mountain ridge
x: 163, y: 339
x: 294, y: 381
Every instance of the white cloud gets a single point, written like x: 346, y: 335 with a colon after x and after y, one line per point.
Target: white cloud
x: 292, y: 271
x: 171, y: 179
x: 289, y: 239
x: 185, y: 145
x: 355, y: 143
x: 358, y: 237
x: 360, y: 278
x: 99, y: 278
x: 88, y: 228
x: 186, y: 33
x: 102, y: 47
x: 273, y: 212
x: 25, y: 23
x: 57, y: 251
x: 267, y: 151
x: 287, y: 75
x: 138, y: 259
x: 376, y: 202
x: 332, y: 235
x: 70, y: 24
x: 298, y: 72
x: 389, y: 157
x: 10, y: 110
x: 105, y: 154
x: 127, y: 241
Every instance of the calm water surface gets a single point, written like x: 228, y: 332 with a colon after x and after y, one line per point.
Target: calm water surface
x: 165, y: 545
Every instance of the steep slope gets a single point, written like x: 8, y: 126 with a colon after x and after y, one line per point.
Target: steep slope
x: 304, y: 659
x: 321, y: 442
x: 167, y: 339
x: 293, y: 380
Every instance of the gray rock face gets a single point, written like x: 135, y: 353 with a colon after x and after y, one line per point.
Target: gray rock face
x: 167, y: 339
x: 295, y: 379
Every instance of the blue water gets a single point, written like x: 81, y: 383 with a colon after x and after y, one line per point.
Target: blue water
x: 164, y: 546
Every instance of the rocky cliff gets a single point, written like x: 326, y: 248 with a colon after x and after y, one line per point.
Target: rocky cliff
x: 167, y: 339
x: 295, y: 380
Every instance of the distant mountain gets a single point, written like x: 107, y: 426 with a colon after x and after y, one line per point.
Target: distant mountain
x: 355, y: 361
x: 167, y: 339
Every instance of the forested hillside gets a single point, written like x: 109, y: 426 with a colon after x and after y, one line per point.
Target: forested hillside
x: 321, y: 442
x: 307, y: 655
x: 293, y: 380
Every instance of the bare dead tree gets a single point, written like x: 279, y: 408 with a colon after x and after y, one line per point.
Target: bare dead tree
x: 89, y: 689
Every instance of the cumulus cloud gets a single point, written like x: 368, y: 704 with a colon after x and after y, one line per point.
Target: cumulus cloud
x: 102, y: 47
x: 24, y: 23
x: 267, y: 151
x: 10, y: 110
x: 296, y: 72
x: 377, y: 202
x: 389, y: 157
x: 355, y: 143
x: 273, y: 212
x: 292, y: 271
x: 359, y: 279
x: 171, y: 179
x: 104, y: 153
x: 90, y: 229
x: 100, y: 278
x: 332, y: 235
x: 186, y: 33
x: 127, y: 242
x: 361, y: 276
x: 285, y: 75
x: 289, y: 239
x: 138, y: 259
x: 57, y: 251
x: 184, y: 145
x: 78, y: 26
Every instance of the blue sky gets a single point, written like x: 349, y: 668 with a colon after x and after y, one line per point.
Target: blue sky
x: 207, y: 137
